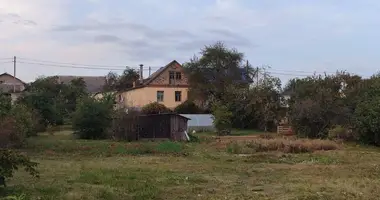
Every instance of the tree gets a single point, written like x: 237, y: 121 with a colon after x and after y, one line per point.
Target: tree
x: 10, y: 161
x: 122, y: 82
x: 217, y: 69
x: 93, y: 118
x: 222, y: 118
x: 318, y: 103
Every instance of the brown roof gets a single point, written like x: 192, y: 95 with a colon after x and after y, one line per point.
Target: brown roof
x: 94, y: 84
x: 153, y: 76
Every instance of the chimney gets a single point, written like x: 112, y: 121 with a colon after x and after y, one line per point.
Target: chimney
x: 141, y: 73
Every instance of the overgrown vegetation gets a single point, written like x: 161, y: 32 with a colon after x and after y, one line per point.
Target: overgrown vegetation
x: 282, y: 145
x: 93, y: 118
x: 155, y: 108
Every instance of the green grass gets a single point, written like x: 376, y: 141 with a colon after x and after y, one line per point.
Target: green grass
x: 79, y: 169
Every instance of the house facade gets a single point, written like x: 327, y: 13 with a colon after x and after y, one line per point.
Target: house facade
x: 168, y: 86
x: 11, y: 85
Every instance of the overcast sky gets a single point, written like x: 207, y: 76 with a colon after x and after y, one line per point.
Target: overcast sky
x: 293, y: 37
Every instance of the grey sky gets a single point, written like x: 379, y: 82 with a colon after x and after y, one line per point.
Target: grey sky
x: 295, y: 38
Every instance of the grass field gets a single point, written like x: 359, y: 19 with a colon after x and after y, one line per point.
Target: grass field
x: 75, y: 169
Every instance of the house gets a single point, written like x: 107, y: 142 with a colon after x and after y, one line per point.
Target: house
x: 11, y: 85
x: 94, y: 84
x: 168, y: 85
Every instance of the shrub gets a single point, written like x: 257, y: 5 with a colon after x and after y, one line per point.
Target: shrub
x: 341, y: 133
x: 9, y: 135
x: 194, y: 138
x: 367, y: 121
x: 188, y: 107
x: 155, y: 108
x: 222, y: 119
x: 93, y: 118
x: 25, y: 123
x: 125, y: 125
x: 10, y: 161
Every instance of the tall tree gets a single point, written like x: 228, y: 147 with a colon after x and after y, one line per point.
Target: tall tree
x: 214, y: 71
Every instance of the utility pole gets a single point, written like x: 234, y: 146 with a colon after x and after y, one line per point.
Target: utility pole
x: 257, y: 76
x: 14, y: 74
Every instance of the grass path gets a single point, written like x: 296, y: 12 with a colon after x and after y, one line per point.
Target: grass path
x: 73, y: 169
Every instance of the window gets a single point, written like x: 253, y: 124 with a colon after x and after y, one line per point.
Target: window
x: 178, y: 96
x: 178, y: 75
x: 160, y: 96
x: 171, y: 75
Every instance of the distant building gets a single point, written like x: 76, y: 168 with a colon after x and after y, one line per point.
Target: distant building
x: 94, y: 84
x: 11, y: 85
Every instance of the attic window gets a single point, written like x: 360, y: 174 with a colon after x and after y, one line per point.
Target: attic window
x: 178, y: 76
x: 171, y: 75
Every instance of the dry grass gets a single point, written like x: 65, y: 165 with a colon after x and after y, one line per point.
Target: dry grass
x: 70, y: 172
x: 285, y: 145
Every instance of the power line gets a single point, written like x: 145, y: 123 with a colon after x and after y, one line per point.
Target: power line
x: 74, y: 67
x: 6, y: 58
x: 297, y: 71
x: 76, y: 64
x: 6, y: 62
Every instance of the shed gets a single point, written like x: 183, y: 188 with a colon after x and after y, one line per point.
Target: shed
x: 163, y: 126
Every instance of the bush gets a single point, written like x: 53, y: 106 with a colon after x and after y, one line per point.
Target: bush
x: 9, y: 135
x: 10, y: 161
x: 25, y: 123
x: 188, y: 107
x: 93, y: 118
x: 125, y: 125
x: 341, y: 133
x: 222, y: 119
x: 367, y: 121
x: 155, y: 108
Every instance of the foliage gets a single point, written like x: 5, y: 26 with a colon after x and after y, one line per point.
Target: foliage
x: 125, y: 125
x: 317, y: 104
x: 5, y: 104
x: 222, y: 118
x: 155, y: 108
x: 54, y: 102
x: 93, y: 118
x: 188, y: 107
x: 217, y: 69
x: 25, y: 123
x: 11, y: 161
x: 194, y: 138
x: 367, y: 116
x: 122, y: 82
x: 9, y: 135
x: 341, y: 133
x: 282, y: 145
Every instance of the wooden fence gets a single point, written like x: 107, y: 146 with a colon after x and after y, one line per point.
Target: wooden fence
x: 284, y: 130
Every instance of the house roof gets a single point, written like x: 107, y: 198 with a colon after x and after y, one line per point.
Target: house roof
x: 153, y: 76
x: 159, y: 72
x: 6, y: 74
x: 94, y: 84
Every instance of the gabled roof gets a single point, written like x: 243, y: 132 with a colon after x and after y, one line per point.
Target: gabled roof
x: 94, y: 84
x: 6, y: 74
x: 156, y: 74
x: 159, y: 72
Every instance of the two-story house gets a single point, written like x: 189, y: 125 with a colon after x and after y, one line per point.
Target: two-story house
x: 168, y: 86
